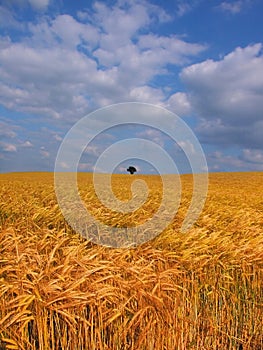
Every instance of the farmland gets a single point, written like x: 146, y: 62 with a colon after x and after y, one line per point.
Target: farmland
x: 197, y: 290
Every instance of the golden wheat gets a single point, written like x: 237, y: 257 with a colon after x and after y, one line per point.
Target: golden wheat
x: 197, y: 290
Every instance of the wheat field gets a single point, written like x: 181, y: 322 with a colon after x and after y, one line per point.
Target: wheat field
x: 197, y: 290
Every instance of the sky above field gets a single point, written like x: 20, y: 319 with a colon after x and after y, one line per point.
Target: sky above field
x: 61, y: 60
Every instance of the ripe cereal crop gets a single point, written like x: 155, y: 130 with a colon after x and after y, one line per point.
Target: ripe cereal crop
x: 202, y: 289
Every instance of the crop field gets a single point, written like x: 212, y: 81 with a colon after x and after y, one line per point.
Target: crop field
x: 202, y: 289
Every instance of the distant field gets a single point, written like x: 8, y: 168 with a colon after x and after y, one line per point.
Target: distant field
x: 197, y: 290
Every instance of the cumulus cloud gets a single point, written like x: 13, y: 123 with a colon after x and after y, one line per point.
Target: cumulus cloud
x: 185, y: 6
x: 85, y: 166
x: 152, y: 135
x: 7, y: 130
x: 248, y: 160
x: 233, y: 7
x: 93, y: 150
x: 39, y: 4
x: 8, y: 19
x: 27, y: 144
x: 65, y: 67
x: 44, y: 153
x: 253, y: 156
x: 228, y: 97
x: 57, y: 137
x: 179, y: 104
x: 187, y: 146
x: 169, y: 49
x: 146, y: 94
x: 8, y: 147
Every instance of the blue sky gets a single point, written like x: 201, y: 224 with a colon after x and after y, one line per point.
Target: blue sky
x: 60, y: 60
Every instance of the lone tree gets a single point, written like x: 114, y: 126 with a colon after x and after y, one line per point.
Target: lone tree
x: 131, y: 170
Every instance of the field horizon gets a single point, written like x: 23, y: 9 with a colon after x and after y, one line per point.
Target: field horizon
x: 126, y: 174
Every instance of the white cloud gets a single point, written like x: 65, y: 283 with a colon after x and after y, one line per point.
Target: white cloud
x: 218, y: 161
x: 146, y: 94
x: 44, y: 81
x: 233, y: 7
x: 228, y: 96
x: 8, y: 147
x: 253, y: 155
x: 153, y: 135
x: 8, y: 19
x: 57, y: 137
x: 27, y: 144
x: 44, y: 153
x: 169, y: 49
x: 179, y: 104
x: 93, y: 150
x: 85, y: 166
x: 72, y: 33
x: 134, y: 65
x: 39, y: 4
x: 187, y: 146
x: 182, y: 8
x: 64, y: 165
x: 66, y: 67
x: 120, y: 25
x: 7, y: 130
